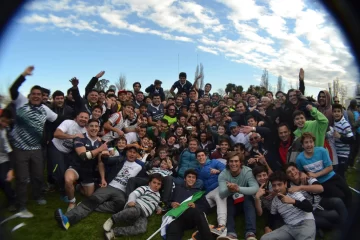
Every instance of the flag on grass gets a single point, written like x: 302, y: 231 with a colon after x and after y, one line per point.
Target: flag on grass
x: 176, y: 212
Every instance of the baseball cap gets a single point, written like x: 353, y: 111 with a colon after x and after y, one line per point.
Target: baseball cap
x: 233, y: 124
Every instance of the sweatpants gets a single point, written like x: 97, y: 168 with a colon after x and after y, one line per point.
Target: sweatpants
x: 305, y: 230
x: 29, y: 164
x: 136, y: 216
x: 108, y: 200
x: 214, y: 199
x: 4, y: 185
x: 337, y: 187
x: 166, y: 186
x: 191, y: 218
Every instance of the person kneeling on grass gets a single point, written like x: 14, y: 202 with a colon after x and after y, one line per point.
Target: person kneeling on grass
x: 141, y: 204
x: 295, y: 210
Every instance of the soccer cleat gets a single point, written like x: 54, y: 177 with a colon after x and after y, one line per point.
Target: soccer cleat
x: 109, y: 235
x: 108, y: 225
x: 62, y: 220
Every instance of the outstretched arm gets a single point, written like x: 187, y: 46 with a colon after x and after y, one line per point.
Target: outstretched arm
x: 14, y: 89
x: 93, y: 82
x: 301, y: 81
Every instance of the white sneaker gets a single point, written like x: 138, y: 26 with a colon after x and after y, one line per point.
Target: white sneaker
x: 25, y: 214
x: 108, y: 225
x: 109, y: 235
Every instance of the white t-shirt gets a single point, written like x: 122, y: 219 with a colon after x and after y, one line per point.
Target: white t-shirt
x: 69, y: 127
x: 130, y: 169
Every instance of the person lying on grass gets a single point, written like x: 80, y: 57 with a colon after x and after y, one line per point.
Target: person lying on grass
x: 110, y: 198
x: 140, y: 205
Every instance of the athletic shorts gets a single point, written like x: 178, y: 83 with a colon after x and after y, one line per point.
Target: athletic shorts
x: 84, y: 175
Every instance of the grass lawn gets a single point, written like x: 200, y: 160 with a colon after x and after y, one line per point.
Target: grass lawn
x: 43, y: 225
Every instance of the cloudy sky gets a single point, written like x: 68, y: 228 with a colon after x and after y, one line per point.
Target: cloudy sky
x: 155, y: 39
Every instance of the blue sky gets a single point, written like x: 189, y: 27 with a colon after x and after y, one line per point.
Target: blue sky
x: 142, y: 39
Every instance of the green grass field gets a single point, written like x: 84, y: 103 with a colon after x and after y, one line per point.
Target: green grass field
x: 43, y: 225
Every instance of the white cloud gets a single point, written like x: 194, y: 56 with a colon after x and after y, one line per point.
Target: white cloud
x: 280, y: 35
x: 207, y: 49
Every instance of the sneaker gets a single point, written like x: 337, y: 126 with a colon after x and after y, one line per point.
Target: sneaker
x: 227, y: 237
x: 109, y: 235
x: 24, y: 213
x: 62, y: 220
x: 41, y: 201
x: 108, y: 225
x: 49, y: 188
x: 251, y: 236
x: 64, y: 199
x: 71, y: 207
x: 218, y: 230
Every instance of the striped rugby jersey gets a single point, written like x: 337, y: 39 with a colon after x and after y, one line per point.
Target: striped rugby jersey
x: 290, y: 214
x: 30, y: 121
x: 146, y: 198
x: 311, y: 197
x: 344, y: 129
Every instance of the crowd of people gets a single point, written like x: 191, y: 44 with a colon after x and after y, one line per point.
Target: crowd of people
x: 132, y: 153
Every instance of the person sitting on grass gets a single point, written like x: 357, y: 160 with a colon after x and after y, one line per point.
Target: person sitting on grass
x: 295, y: 210
x: 236, y: 181
x: 208, y: 172
x: 83, y: 162
x: 112, y: 197
x: 264, y: 197
x: 194, y: 216
x: 329, y: 213
x: 316, y: 163
x: 140, y: 205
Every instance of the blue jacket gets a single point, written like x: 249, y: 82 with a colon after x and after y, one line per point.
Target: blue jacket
x: 187, y: 160
x: 210, y: 180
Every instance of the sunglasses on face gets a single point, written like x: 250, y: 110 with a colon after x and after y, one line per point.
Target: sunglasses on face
x: 254, y: 138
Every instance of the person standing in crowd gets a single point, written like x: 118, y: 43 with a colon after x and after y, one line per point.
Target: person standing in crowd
x: 182, y: 85
x: 354, y: 120
x: 31, y: 116
x: 156, y: 89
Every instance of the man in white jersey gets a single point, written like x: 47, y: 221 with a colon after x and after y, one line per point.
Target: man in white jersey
x: 62, y: 144
x: 110, y: 199
x: 295, y: 210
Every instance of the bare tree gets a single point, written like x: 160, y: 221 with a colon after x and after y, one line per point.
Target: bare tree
x: 121, y: 83
x: 221, y: 92
x: 199, y: 72
x: 102, y: 85
x: 336, y: 86
x: 342, y: 93
x: 167, y: 94
x: 265, y: 79
x: 202, y: 76
x: 280, y: 86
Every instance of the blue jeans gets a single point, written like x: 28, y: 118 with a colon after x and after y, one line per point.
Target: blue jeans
x: 180, y: 181
x: 250, y: 217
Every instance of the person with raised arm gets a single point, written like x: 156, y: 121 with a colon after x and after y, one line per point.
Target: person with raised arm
x: 31, y: 116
